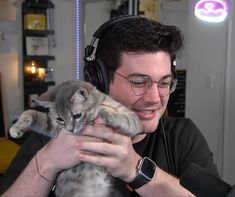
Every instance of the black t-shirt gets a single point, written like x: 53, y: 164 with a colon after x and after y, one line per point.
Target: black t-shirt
x: 182, y: 145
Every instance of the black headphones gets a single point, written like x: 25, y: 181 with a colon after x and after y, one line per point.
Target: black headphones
x: 95, y: 71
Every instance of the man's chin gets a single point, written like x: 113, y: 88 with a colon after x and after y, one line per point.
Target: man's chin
x: 149, y: 128
x: 150, y: 125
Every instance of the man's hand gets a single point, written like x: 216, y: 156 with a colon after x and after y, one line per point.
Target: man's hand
x: 61, y: 153
x: 114, y: 151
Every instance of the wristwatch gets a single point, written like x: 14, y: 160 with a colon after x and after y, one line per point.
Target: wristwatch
x: 146, y: 170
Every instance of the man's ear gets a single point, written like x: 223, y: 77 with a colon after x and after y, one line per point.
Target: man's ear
x: 46, y: 99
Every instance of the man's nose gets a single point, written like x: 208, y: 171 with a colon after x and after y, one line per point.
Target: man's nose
x: 153, y: 92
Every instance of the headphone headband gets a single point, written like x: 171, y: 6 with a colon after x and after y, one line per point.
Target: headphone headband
x: 95, y: 71
x: 101, y: 31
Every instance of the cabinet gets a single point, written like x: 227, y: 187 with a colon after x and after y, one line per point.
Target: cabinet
x: 176, y: 104
x: 38, y: 40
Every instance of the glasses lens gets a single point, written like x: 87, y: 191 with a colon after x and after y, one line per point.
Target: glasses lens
x: 166, y: 86
x: 140, y: 84
x: 173, y: 86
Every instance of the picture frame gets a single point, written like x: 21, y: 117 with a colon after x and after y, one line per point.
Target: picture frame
x: 35, y: 21
x: 37, y: 46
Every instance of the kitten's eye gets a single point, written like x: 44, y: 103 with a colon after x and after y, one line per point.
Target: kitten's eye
x: 60, y: 120
x: 77, y: 116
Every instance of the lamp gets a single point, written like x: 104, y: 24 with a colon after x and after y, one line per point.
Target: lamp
x: 211, y: 10
x: 34, y: 71
x: 33, y: 68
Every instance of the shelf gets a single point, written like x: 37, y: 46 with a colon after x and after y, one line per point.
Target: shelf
x: 37, y: 29
x: 39, y: 58
x: 29, y: 5
x: 38, y: 84
x: 40, y: 33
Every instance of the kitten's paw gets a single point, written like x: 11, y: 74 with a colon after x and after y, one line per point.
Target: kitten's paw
x: 108, y: 117
x: 15, y: 133
x: 18, y: 129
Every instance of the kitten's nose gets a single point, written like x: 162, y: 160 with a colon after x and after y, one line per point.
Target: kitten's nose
x: 69, y: 131
x: 69, y: 128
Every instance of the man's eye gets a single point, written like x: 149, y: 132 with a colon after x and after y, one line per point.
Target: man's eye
x: 164, y: 84
x: 139, y: 82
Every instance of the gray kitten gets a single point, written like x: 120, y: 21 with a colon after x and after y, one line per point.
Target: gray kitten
x: 73, y: 105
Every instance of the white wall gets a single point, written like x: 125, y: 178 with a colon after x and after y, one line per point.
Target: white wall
x: 206, y: 61
x: 11, y: 56
x: 65, y: 31
x: 10, y: 67
x: 209, y: 70
x: 176, y: 13
x: 229, y: 114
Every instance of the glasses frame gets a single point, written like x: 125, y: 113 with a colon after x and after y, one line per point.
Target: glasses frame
x: 172, y: 87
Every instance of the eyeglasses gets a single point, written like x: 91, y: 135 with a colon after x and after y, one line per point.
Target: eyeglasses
x: 140, y: 84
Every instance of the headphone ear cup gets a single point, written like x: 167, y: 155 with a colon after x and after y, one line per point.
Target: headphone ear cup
x: 173, y: 67
x: 96, y: 73
x: 103, y: 76
x: 173, y: 71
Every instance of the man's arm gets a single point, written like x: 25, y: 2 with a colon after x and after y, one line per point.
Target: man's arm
x: 30, y: 182
x: 118, y: 156
x: 38, y: 177
x: 163, y: 184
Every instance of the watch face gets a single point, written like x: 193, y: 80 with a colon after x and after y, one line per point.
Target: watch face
x: 148, y: 168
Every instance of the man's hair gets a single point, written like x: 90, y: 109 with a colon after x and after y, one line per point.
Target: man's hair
x: 138, y: 35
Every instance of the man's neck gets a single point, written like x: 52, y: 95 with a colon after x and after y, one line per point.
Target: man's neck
x: 138, y: 138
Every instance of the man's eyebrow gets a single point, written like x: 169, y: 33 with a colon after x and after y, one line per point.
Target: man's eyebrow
x: 167, y: 76
x: 137, y: 74
x: 144, y: 75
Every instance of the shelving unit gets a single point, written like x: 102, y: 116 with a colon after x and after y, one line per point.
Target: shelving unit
x: 176, y: 104
x: 37, y: 33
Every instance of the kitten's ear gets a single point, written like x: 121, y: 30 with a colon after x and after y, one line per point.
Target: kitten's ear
x: 47, y: 99
x: 80, y: 96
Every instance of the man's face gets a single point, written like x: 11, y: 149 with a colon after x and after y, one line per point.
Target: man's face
x: 150, y: 106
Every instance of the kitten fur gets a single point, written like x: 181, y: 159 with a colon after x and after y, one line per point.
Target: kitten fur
x: 73, y: 105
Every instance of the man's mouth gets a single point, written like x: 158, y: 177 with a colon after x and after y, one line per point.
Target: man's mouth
x: 145, y: 114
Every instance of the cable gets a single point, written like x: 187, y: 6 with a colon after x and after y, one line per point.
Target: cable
x: 168, y: 154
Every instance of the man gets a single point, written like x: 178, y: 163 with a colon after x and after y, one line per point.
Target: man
x: 137, y: 55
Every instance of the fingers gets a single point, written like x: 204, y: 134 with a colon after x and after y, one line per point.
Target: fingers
x: 103, y: 132
x: 95, y: 159
x: 102, y: 148
x: 63, y: 146
x: 111, y: 143
x: 116, y: 158
x: 113, y: 150
x: 111, y: 147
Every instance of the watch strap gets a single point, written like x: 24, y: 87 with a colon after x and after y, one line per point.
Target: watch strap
x: 138, y: 182
x: 142, y: 178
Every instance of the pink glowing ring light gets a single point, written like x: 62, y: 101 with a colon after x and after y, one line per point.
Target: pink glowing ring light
x: 211, y: 10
